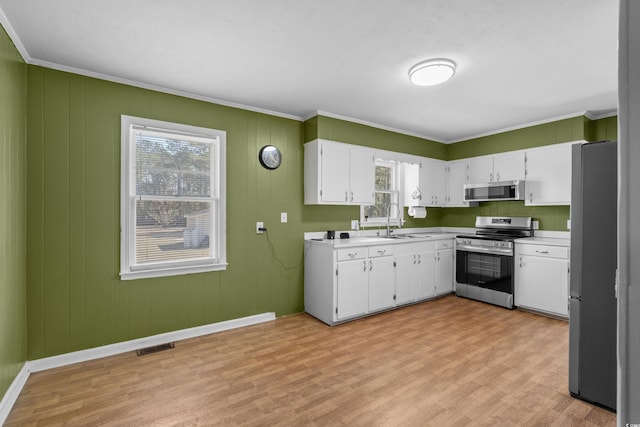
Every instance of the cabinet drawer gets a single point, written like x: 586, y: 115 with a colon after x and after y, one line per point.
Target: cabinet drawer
x: 352, y: 253
x: 376, y: 251
x: 445, y: 244
x: 544, y: 251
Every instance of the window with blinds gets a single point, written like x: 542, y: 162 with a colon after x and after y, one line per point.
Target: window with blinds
x: 173, y: 193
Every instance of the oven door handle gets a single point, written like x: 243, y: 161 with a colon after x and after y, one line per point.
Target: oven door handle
x: 494, y: 251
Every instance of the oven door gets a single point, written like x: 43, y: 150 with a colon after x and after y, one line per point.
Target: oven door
x: 486, y: 270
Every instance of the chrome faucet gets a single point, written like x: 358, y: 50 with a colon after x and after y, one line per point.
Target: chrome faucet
x: 389, y: 215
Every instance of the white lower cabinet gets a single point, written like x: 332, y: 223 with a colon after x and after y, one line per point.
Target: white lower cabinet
x: 415, y: 267
x: 347, y: 283
x: 382, y: 278
x: 542, y: 278
x: 444, y: 267
x: 353, y: 288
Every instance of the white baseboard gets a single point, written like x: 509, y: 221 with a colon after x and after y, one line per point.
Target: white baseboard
x: 38, y: 365
x: 10, y: 397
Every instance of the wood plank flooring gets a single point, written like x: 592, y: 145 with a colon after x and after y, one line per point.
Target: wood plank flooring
x: 447, y: 362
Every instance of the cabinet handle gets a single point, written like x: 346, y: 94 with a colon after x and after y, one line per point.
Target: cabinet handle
x: 353, y: 255
x: 491, y: 177
x: 414, y: 259
x: 498, y: 176
x: 370, y: 265
x: 419, y: 258
x: 382, y: 251
x: 352, y: 196
x: 520, y: 262
x: 530, y: 197
x: 542, y: 252
x: 346, y: 196
x: 365, y: 265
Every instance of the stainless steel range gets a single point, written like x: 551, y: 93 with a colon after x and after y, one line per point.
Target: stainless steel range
x: 484, y: 260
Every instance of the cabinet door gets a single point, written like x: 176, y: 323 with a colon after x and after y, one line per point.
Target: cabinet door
x: 508, y: 167
x: 456, y: 178
x: 353, y: 288
x: 335, y: 160
x: 480, y: 170
x: 433, y: 178
x: 440, y: 183
x: 362, y: 175
x: 426, y: 275
x: 444, y: 269
x: 382, y: 283
x: 548, y: 175
x: 406, y: 278
x: 542, y: 284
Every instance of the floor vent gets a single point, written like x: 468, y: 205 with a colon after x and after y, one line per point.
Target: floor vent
x: 154, y: 349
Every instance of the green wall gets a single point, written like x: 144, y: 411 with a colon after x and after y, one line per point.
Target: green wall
x: 13, y: 282
x: 75, y: 297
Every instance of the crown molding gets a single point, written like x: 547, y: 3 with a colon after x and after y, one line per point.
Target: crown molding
x: 587, y: 114
x: 371, y: 124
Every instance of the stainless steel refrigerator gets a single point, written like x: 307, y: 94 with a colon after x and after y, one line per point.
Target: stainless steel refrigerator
x: 592, y: 302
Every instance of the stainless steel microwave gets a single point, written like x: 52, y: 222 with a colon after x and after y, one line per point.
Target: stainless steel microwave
x: 501, y: 190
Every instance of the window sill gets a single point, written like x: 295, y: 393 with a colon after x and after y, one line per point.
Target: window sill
x: 173, y: 271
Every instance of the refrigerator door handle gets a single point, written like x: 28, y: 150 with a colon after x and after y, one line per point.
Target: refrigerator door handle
x: 575, y: 298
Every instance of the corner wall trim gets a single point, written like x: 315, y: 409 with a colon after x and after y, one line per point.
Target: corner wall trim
x: 38, y: 365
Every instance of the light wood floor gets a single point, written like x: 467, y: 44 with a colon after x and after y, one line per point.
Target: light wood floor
x: 448, y: 362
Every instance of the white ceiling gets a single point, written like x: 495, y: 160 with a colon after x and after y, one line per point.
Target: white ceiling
x: 519, y: 61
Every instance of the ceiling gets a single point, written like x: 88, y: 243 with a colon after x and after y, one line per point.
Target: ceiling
x: 519, y: 62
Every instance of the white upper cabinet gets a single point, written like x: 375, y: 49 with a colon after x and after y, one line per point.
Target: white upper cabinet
x: 338, y: 174
x: 479, y: 169
x: 433, y: 180
x: 548, y: 175
x: 508, y: 166
x: 425, y: 182
x: 456, y: 178
x: 499, y: 167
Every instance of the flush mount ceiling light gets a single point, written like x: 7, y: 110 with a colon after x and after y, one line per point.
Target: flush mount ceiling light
x: 432, y: 72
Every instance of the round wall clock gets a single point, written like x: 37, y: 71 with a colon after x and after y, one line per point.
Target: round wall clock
x: 270, y: 157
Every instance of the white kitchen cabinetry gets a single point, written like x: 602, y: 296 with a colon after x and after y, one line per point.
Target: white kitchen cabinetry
x: 414, y: 272
x: 342, y: 284
x: 542, y: 278
x: 382, y: 278
x: 499, y: 167
x: 548, y: 175
x: 338, y: 174
x: 479, y: 169
x: 456, y: 178
x: 433, y: 180
x: 429, y: 178
x: 444, y: 267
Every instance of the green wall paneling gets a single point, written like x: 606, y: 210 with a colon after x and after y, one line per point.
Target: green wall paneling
x: 550, y: 218
x: 566, y: 130
x: 604, y: 129
x: 76, y: 299
x: 13, y: 213
x: 359, y: 134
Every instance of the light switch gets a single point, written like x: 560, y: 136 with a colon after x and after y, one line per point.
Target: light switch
x: 283, y: 217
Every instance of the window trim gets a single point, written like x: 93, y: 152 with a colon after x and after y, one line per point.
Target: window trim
x: 131, y: 271
x: 398, y: 217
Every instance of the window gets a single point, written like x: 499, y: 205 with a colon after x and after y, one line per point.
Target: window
x: 173, y: 199
x: 387, y: 199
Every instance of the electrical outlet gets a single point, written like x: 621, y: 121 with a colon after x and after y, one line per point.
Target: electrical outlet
x: 283, y: 217
x: 259, y: 225
x: 535, y: 225
x: 354, y: 224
